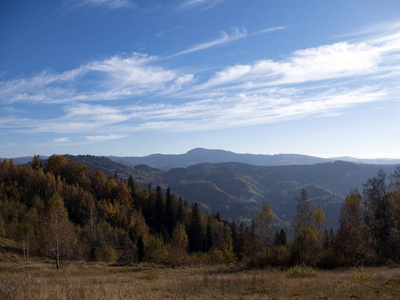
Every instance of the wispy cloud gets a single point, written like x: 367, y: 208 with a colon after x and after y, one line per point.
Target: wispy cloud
x: 62, y: 140
x: 267, y: 30
x: 338, y: 60
x: 202, y: 4
x: 223, y: 39
x: 116, y: 77
x: 113, y: 78
x: 111, y: 3
x: 319, y: 81
x: 103, y: 138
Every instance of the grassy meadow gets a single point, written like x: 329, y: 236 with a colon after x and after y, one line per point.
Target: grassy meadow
x: 81, y: 280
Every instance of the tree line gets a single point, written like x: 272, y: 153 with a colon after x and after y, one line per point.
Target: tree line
x: 66, y: 210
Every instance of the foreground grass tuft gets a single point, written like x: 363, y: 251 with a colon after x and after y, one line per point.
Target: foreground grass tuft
x: 80, y: 280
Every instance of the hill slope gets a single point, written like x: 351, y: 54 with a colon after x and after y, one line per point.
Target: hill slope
x: 242, y: 189
x: 200, y: 155
x: 238, y: 190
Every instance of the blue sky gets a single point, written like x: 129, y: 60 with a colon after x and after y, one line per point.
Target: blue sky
x: 132, y: 78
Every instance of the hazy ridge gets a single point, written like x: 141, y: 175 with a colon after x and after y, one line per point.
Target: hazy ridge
x: 237, y: 185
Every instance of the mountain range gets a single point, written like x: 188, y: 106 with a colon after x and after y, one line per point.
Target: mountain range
x: 200, y: 155
x: 237, y: 185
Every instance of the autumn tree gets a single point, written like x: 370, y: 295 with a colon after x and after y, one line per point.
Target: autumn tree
x: 178, y: 245
x: 303, y: 216
x: 308, y: 231
x: 379, y: 214
x: 56, y: 164
x: 61, y: 236
x: 36, y: 163
x: 25, y: 234
x: 394, y: 200
x: 265, y: 227
x: 318, y: 222
x: 352, y: 238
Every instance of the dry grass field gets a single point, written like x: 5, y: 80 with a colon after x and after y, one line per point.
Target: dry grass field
x: 81, y: 280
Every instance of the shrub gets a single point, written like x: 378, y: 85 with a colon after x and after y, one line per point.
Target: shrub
x: 328, y: 259
x: 152, y: 273
x: 106, y: 253
x: 229, y: 256
x: 216, y: 256
x: 302, y: 271
x: 361, y: 277
x: 199, y: 258
x: 279, y: 256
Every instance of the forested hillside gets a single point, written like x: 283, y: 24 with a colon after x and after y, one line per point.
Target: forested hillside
x: 238, y: 191
x: 67, y: 210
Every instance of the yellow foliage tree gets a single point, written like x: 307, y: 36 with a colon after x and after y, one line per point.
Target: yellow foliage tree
x: 61, y: 235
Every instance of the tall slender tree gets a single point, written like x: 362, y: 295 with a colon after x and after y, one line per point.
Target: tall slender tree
x: 196, y: 230
x: 265, y: 227
x: 61, y: 232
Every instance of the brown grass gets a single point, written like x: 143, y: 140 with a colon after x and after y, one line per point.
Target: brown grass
x: 81, y: 280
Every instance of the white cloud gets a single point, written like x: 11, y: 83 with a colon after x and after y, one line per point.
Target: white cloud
x: 224, y: 39
x: 132, y: 72
x: 109, y: 79
x: 62, y: 140
x: 319, y: 81
x: 112, y: 3
x: 244, y: 109
x: 248, y: 109
x: 340, y: 60
x: 267, y: 30
x: 103, y: 138
x: 204, y: 4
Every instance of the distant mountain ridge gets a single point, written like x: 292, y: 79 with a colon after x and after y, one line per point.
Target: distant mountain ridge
x: 201, y: 155
x: 238, y: 190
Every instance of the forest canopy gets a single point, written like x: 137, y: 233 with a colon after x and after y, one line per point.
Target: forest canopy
x: 67, y: 210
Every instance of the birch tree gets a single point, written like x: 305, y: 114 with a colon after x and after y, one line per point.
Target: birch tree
x: 61, y: 236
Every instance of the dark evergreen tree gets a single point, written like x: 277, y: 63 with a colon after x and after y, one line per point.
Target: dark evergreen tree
x: 233, y: 230
x: 160, y: 212
x: 280, y: 238
x: 171, y: 211
x: 140, y: 249
x: 218, y: 216
x: 131, y: 185
x: 196, y: 231
x: 241, y: 227
x: 179, y: 211
x: 209, y: 234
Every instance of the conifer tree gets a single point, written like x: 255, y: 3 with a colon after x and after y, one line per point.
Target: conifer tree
x: 159, y: 210
x: 140, y: 249
x: 196, y: 232
x: 170, y: 211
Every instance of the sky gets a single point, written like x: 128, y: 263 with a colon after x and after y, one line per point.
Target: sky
x: 137, y: 77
